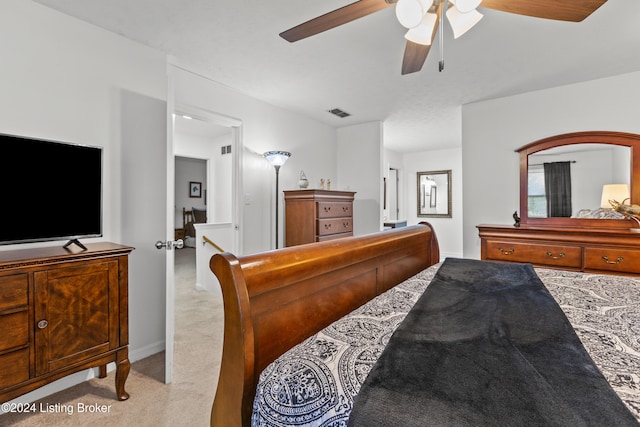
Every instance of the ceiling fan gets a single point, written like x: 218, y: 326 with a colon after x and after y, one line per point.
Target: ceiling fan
x: 423, y: 18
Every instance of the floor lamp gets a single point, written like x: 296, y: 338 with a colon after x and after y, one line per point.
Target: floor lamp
x: 277, y: 159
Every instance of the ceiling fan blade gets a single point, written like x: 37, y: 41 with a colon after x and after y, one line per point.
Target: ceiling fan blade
x: 335, y: 18
x: 565, y: 10
x: 415, y: 54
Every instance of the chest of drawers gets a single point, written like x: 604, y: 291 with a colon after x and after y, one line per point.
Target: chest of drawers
x: 317, y: 215
x: 568, y: 248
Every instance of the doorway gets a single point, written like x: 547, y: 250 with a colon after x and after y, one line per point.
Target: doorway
x: 207, y: 178
x: 191, y: 190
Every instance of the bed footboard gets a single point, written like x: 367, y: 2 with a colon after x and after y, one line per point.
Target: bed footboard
x: 274, y: 300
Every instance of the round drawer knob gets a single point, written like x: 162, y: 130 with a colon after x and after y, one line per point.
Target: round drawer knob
x: 43, y: 324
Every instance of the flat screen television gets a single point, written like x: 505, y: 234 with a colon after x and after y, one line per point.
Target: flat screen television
x: 49, y: 190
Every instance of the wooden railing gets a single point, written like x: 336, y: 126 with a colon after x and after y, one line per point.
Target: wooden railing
x: 212, y: 243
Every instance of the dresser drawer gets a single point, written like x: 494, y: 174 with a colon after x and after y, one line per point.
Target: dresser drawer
x: 612, y: 259
x: 536, y: 253
x: 334, y: 209
x: 15, y: 330
x: 333, y: 237
x: 13, y: 291
x: 14, y: 367
x: 334, y: 226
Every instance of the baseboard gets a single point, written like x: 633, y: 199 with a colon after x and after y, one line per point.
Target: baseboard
x: 444, y: 255
x: 86, y: 375
x: 146, y: 351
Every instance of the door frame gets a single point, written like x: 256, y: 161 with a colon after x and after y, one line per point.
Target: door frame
x: 235, y: 126
x: 395, y: 202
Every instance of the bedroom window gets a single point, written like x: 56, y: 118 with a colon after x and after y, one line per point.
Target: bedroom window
x: 537, y: 198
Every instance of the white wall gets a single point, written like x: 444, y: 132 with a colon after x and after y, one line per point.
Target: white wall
x: 61, y: 80
x: 220, y: 189
x: 188, y: 169
x: 359, y: 160
x: 222, y: 235
x: 493, y: 129
x: 448, y: 230
x: 264, y: 128
x: 216, y: 174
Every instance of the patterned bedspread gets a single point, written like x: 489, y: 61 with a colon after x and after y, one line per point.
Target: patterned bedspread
x: 315, y: 382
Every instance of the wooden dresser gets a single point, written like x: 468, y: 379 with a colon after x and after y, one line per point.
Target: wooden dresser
x: 605, y: 250
x: 62, y: 311
x: 317, y: 215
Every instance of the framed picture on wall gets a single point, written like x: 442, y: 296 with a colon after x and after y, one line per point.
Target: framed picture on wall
x: 195, y: 189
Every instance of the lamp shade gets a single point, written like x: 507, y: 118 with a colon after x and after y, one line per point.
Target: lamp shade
x: 410, y: 12
x: 277, y: 158
x: 465, y: 6
x: 617, y: 192
x: 423, y: 33
x: 462, y: 22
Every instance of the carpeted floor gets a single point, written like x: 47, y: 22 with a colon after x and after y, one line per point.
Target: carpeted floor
x: 185, y: 402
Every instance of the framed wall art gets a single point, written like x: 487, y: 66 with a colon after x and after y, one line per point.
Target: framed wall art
x: 195, y: 189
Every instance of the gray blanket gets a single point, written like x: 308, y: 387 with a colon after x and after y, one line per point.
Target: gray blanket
x: 486, y: 345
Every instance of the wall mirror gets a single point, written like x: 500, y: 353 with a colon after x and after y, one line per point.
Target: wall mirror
x: 434, y: 194
x: 576, y: 166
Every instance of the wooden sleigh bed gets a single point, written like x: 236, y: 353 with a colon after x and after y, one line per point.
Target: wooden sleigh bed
x: 315, y: 285
x: 275, y: 301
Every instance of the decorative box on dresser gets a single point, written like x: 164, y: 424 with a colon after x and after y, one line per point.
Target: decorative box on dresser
x: 317, y: 215
x: 606, y: 250
x: 62, y: 311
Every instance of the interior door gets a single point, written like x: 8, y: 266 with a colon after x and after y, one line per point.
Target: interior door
x: 145, y: 170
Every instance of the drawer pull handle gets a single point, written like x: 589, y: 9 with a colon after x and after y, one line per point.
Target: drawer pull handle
x: 43, y: 324
x: 327, y: 208
x: 506, y: 252
x: 345, y: 224
x: 327, y: 226
x: 550, y: 255
x: 345, y: 208
x: 617, y: 261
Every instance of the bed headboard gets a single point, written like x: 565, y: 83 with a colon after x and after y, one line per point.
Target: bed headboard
x: 274, y: 300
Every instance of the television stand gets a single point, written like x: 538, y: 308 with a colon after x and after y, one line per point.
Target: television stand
x: 63, y: 312
x: 75, y: 242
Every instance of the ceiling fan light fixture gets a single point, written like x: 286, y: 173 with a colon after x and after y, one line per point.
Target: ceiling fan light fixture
x: 465, y: 6
x: 422, y: 34
x: 410, y: 12
x: 462, y: 22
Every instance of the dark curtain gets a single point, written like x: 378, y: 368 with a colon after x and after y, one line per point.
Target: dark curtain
x: 557, y: 187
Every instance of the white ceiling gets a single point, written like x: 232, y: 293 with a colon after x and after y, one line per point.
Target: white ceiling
x: 356, y: 67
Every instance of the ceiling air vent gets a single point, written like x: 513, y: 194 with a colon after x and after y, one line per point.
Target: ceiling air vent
x: 338, y: 112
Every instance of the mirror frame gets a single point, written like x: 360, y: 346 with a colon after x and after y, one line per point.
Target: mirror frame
x: 447, y: 175
x: 600, y: 137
